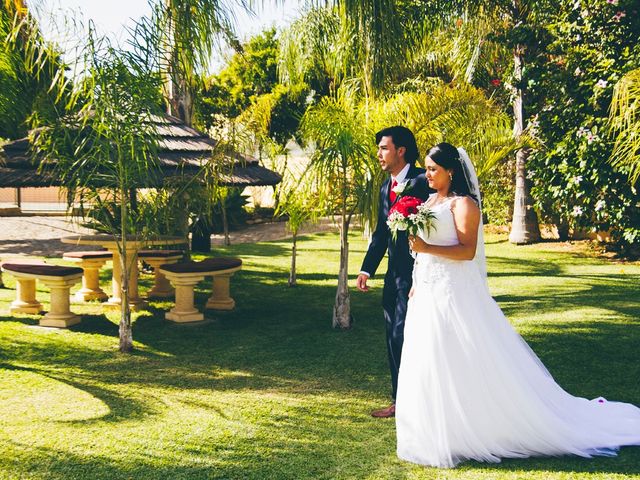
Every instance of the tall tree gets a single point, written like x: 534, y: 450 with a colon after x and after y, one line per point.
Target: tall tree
x: 102, y: 143
x: 519, y: 19
x: 521, y: 14
x: 190, y: 29
x: 343, y: 166
x: 246, y: 75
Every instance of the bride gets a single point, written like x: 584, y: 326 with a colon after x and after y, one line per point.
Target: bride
x: 469, y: 386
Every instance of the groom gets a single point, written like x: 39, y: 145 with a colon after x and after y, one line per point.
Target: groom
x: 397, y: 154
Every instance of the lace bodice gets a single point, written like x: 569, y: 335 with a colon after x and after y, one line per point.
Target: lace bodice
x: 432, y: 269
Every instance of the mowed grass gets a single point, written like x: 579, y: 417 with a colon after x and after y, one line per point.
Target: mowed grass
x: 270, y: 391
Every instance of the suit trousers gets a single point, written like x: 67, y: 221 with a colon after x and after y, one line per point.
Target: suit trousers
x: 394, y: 304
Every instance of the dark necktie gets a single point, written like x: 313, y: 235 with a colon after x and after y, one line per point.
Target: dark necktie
x: 392, y: 194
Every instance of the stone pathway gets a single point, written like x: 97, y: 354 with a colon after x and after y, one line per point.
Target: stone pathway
x: 39, y: 236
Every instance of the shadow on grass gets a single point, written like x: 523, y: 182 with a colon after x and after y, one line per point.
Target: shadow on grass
x: 509, y: 267
x: 120, y: 407
x: 25, y: 319
x: 306, y: 454
x: 295, y: 349
x: 327, y: 449
x: 606, y: 292
x: 280, y: 340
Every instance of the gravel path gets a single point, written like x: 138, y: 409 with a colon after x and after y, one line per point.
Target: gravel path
x: 40, y: 236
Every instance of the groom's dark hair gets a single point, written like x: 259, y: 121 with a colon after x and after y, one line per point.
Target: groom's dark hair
x: 402, y: 137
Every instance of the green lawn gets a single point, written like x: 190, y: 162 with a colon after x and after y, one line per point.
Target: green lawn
x: 270, y: 391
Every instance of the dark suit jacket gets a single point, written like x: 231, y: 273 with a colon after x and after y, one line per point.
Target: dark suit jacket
x: 400, y: 259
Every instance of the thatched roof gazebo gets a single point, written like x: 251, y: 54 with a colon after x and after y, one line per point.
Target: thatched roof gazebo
x: 182, y: 151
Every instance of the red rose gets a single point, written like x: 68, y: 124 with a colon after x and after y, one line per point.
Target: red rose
x: 496, y: 82
x: 406, y: 206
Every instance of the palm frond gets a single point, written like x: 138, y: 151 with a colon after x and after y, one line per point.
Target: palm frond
x: 625, y: 122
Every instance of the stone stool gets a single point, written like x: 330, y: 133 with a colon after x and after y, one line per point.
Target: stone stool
x: 25, y: 301
x: 185, y: 276
x: 161, y: 286
x: 58, y: 279
x: 225, y: 267
x: 91, y: 263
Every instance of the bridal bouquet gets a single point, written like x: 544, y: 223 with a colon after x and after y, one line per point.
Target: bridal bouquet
x: 410, y: 214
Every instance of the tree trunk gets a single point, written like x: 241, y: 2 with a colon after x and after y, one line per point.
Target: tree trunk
x: 342, y: 306
x: 133, y: 200
x: 179, y: 99
x: 524, y: 226
x: 177, y: 93
x: 563, y: 230
x: 201, y: 237
x: 294, y: 253
x: 225, y: 222
x: 126, y: 336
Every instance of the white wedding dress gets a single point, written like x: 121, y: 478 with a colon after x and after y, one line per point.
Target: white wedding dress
x: 471, y: 388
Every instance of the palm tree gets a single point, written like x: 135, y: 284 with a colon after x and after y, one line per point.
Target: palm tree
x: 317, y: 50
x: 343, y: 168
x: 518, y: 17
x: 625, y: 122
x: 524, y: 226
x: 104, y: 142
x: 444, y: 112
x: 22, y: 88
x: 298, y: 203
x: 189, y: 30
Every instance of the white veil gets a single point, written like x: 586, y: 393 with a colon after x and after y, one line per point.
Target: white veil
x: 474, y: 187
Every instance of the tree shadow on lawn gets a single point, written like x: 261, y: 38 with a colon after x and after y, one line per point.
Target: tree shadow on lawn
x: 120, y: 407
x: 291, y: 450
x: 284, y: 448
x: 510, y: 267
x: 286, y: 343
x: 294, y: 351
x: 603, y: 292
x: 626, y: 463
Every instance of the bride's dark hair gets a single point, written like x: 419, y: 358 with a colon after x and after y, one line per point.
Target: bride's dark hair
x: 448, y: 157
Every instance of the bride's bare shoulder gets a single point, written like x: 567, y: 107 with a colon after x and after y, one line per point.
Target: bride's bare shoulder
x: 464, y: 205
x: 464, y: 202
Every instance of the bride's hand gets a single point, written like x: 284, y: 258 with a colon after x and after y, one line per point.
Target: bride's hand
x: 417, y: 244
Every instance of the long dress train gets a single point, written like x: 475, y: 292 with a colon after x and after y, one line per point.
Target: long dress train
x: 471, y: 388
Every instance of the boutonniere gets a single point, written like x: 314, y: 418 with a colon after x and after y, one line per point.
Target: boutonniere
x: 401, y: 188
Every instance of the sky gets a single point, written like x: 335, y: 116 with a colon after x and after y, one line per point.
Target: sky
x: 112, y: 16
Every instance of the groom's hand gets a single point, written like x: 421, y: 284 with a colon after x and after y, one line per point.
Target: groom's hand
x: 361, y: 282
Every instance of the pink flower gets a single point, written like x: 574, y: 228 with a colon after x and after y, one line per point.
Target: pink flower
x: 613, y: 2
x: 618, y: 16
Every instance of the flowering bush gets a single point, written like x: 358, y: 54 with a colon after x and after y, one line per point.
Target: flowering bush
x: 409, y: 214
x: 571, y: 84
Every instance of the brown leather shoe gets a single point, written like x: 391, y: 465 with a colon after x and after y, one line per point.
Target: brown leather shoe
x: 388, y: 412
